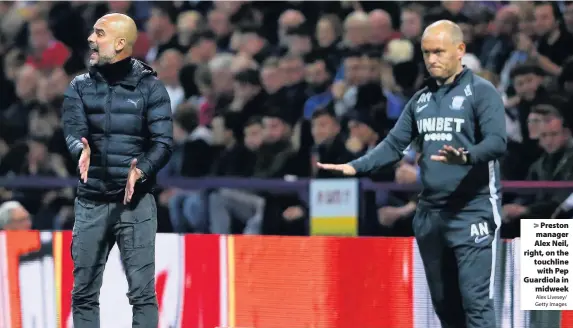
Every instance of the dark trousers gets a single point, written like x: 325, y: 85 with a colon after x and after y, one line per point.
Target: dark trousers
x: 458, y: 255
x: 97, y: 227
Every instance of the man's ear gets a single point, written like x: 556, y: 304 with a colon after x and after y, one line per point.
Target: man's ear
x: 120, y: 44
x: 461, y: 50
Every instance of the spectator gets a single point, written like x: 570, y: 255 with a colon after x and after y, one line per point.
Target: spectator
x: 188, y: 23
x: 356, y: 30
x: 527, y: 80
x: 497, y: 48
x: 253, y: 43
x: 249, y: 96
x: 344, y: 91
x: 220, y: 68
x: 300, y: 40
x: 328, y: 34
x: 189, y: 138
x: 568, y: 17
x: 288, y: 19
x: 218, y: 22
x: 13, y: 216
x: 411, y: 22
x: 162, y: 31
x: 329, y: 142
x: 169, y: 66
x: 226, y: 204
x: 398, y: 213
x: 319, y: 76
x: 202, y: 47
x: 554, y: 44
x: 253, y: 132
x: 271, y: 76
x: 46, y: 53
x: 556, y: 164
x: 235, y: 159
x: 14, y: 119
x: 381, y: 28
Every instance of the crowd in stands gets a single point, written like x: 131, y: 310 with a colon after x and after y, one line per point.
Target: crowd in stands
x: 266, y: 89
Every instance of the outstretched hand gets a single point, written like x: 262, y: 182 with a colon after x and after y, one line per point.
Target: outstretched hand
x: 84, y: 162
x: 346, y: 169
x: 132, y: 177
x: 450, y: 155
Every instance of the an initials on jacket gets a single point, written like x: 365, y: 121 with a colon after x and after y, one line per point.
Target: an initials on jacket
x: 479, y: 229
x: 424, y: 98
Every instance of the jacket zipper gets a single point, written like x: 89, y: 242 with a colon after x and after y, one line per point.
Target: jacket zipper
x: 106, y: 131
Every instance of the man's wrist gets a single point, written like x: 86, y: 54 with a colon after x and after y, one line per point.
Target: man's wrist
x: 142, y: 176
x: 466, y: 158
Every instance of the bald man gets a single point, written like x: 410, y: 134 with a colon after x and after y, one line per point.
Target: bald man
x: 457, y: 123
x: 117, y: 123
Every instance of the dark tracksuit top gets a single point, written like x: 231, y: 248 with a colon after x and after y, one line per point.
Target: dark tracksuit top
x: 468, y: 113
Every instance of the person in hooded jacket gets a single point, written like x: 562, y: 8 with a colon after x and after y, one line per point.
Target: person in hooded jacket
x: 118, y: 127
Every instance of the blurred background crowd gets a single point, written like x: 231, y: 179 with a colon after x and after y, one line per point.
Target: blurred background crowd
x: 265, y: 89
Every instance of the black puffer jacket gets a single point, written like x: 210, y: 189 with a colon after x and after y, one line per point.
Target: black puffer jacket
x: 128, y: 119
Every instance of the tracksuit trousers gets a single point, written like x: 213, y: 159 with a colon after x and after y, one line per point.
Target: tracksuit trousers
x: 458, y: 253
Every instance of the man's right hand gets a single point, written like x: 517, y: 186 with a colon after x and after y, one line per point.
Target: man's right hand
x: 346, y: 169
x: 84, y: 163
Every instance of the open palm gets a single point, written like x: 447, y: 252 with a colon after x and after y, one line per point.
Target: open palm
x: 84, y: 162
x: 346, y: 169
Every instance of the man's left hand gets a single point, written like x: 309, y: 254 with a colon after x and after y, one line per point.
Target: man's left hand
x: 450, y: 155
x: 132, y: 177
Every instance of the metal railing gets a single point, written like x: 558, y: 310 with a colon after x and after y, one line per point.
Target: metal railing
x: 270, y: 185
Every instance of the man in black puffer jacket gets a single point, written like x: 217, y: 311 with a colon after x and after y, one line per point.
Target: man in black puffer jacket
x: 117, y: 123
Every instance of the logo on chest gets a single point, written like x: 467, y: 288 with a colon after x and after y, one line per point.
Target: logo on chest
x: 439, y: 128
x: 457, y: 103
x: 134, y: 102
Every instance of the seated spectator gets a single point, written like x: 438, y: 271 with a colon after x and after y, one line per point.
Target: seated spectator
x: 329, y: 147
x: 288, y: 19
x: 396, y: 215
x: 249, y: 96
x: 191, y: 157
x: 329, y: 142
x: 202, y: 48
x: 218, y: 21
x: 319, y: 77
x: 271, y: 77
x: 498, y: 47
x: 14, y: 119
x: 327, y: 35
x: 381, y: 29
x: 294, y: 92
x: 248, y: 208
x: 554, y: 44
x: 556, y: 164
x: 300, y: 40
x: 528, y: 82
x: 344, y: 91
x: 170, y: 64
x: 46, y: 52
x: 254, y: 44
x: 188, y: 22
x: 13, y: 216
x: 162, y: 31
x: 235, y: 159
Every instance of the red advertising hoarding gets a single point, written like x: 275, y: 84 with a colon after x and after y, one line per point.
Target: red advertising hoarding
x: 208, y: 281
